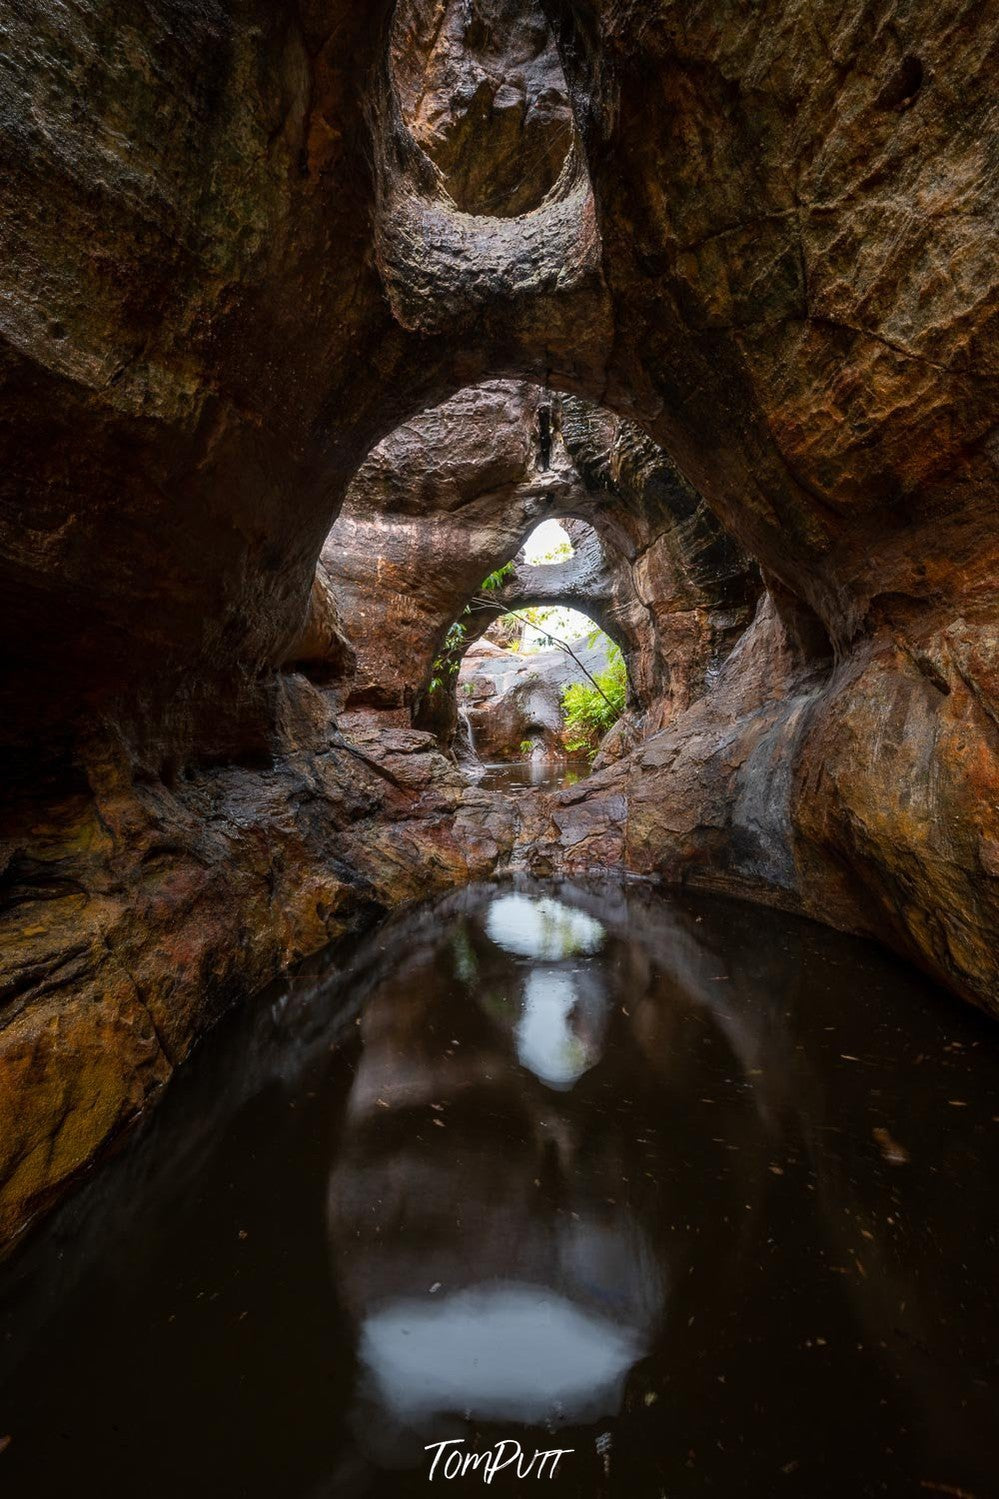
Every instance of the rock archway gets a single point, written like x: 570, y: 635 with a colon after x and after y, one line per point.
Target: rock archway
x: 511, y: 705
x: 449, y: 498
x: 763, y: 281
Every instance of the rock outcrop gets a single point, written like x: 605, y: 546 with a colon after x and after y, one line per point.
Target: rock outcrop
x: 241, y: 253
x: 449, y: 498
x: 512, y: 702
x: 482, y: 92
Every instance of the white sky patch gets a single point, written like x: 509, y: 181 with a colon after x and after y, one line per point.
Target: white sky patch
x: 567, y: 624
x: 544, y: 539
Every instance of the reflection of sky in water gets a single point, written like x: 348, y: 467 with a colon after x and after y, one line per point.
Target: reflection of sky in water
x: 547, y: 1042
x: 504, y: 1352
x: 555, y: 1344
x: 543, y: 929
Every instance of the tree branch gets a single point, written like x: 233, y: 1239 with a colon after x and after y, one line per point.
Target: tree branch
x: 562, y: 644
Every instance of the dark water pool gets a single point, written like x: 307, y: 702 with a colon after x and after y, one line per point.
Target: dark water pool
x: 703, y: 1194
x: 527, y: 775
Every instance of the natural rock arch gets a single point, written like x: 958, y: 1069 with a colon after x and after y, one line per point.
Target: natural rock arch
x: 218, y: 295
x: 450, y: 498
x: 510, y: 705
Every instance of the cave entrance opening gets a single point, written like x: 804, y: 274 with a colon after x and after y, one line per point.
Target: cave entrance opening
x: 538, y: 694
x: 527, y: 685
x: 548, y: 542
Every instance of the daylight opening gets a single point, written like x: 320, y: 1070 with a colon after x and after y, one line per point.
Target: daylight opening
x: 547, y: 543
x: 540, y: 694
x: 527, y: 676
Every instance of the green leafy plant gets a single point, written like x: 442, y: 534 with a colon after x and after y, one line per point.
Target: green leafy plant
x: 590, y: 710
x: 448, y: 663
x: 497, y: 579
x: 540, y: 617
x: 558, y: 553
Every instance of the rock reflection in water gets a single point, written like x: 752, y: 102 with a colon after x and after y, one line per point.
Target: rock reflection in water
x: 699, y: 1192
x: 536, y: 774
x: 545, y: 1289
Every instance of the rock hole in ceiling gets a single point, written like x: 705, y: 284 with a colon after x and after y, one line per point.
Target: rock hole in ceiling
x: 482, y: 92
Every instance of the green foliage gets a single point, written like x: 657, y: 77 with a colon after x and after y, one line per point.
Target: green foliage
x: 557, y: 554
x: 590, y: 714
x: 538, y: 615
x: 511, y: 622
x: 526, y: 746
x: 448, y: 663
x: 497, y: 579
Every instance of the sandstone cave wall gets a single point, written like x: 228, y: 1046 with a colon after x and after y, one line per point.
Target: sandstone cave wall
x: 448, y: 499
x: 230, y: 269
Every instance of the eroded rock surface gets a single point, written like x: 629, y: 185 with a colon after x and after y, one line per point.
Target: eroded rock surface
x: 231, y: 269
x: 482, y: 91
x: 449, y: 498
x: 512, y: 702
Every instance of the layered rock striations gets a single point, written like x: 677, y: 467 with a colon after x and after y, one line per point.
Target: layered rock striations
x: 244, y: 245
x: 449, y: 498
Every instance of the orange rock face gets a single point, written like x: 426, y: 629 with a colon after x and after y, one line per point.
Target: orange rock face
x: 756, y: 256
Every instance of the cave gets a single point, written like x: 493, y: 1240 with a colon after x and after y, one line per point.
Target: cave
x: 392, y: 1072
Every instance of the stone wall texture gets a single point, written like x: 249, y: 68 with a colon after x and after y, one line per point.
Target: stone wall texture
x: 248, y: 287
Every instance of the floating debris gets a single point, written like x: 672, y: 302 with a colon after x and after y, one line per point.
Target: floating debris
x: 894, y: 1153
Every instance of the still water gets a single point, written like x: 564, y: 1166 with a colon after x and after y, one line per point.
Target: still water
x: 538, y: 774
x: 701, y: 1195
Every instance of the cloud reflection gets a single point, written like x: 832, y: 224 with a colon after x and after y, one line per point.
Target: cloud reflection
x: 497, y: 1353
x: 543, y: 928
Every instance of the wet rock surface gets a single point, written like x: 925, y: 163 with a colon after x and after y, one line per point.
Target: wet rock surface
x: 448, y: 498
x: 513, y: 702
x: 233, y: 269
